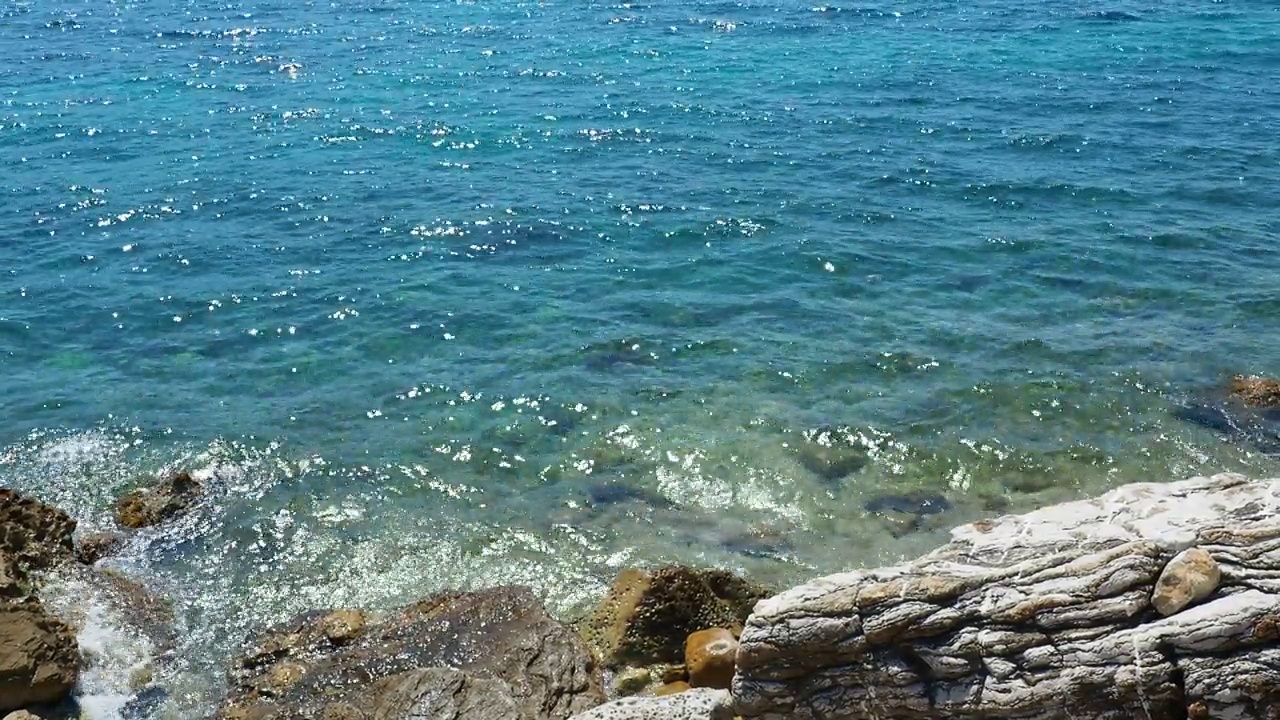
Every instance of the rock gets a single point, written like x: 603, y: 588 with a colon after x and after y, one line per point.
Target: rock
x: 702, y: 704
x: 491, y: 654
x: 39, y: 658
x: 145, y: 507
x: 1047, y: 615
x: 709, y: 655
x: 21, y: 715
x: 673, y: 688
x: 919, y: 504
x: 1256, y: 391
x: 441, y: 693
x: 342, y: 626
x: 632, y: 680
x: 647, y: 615
x: 13, y: 581
x: 1248, y: 411
x: 672, y: 673
x: 831, y: 453
x: 36, y: 536
x: 1235, y: 421
x: 95, y: 546
x: 144, y: 703
x: 149, y: 613
x: 1191, y: 576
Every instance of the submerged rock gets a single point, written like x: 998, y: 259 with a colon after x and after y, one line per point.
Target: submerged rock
x: 697, y: 704
x: 760, y: 541
x: 632, y: 680
x: 490, y: 655
x: 831, y: 453
x: 1235, y: 421
x: 95, y: 546
x: 617, y: 354
x: 1256, y: 391
x: 145, y: 507
x: 1049, y: 615
x: 921, y: 504
x: 647, y: 615
x: 1247, y: 412
x: 39, y: 658
x: 616, y: 491
x: 145, y: 611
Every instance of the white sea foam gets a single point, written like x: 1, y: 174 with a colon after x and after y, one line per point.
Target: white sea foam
x: 116, y: 657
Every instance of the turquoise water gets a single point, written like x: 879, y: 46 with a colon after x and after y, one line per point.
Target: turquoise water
x: 462, y: 293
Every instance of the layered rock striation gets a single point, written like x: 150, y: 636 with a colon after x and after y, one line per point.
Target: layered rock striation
x: 1156, y: 601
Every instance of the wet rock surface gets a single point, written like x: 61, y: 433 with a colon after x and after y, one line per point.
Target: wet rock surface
x: 490, y: 654
x: 648, y: 614
x: 145, y: 611
x: 172, y: 495
x: 13, y: 581
x: 96, y: 546
x: 39, y: 658
x: 35, y: 536
x: 1046, y: 615
x: 1255, y: 391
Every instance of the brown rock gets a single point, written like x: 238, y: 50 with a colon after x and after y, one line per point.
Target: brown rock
x: 21, y: 715
x: 95, y: 546
x: 673, y: 673
x: 282, y: 676
x: 441, y: 693
x: 151, y: 506
x: 491, y: 655
x: 341, y: 626
x: 141, y: 608
x: 709, y: 655
x: 13, y: 582
x: 630, y: 681
x: 39, y: 658
x: 342, y: 711
x: 1256, y: 391
x: 673, y: 688
x: 33, y: 534
x: 647, y: 615
x: 1191, y: 576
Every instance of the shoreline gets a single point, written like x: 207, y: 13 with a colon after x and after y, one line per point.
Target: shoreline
x: 184, y: 521
x: 663, y: 643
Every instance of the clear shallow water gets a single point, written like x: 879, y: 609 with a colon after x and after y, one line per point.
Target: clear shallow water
x: 457, y: 294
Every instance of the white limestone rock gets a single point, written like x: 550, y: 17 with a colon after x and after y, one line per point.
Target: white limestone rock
x: 697, y: 704
x: 1048, y: 615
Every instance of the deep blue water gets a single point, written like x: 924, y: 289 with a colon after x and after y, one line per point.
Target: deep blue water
x: 461, y: 293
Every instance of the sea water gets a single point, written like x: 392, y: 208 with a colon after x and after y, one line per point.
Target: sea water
x: 441, y: 295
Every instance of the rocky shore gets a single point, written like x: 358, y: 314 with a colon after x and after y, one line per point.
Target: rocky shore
x: 1155, y: 601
